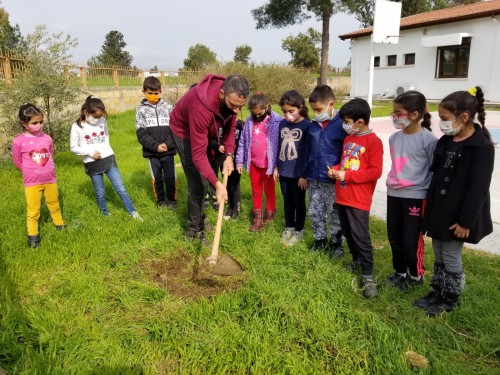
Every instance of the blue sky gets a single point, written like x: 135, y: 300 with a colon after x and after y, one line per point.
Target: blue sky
x: 160, y: 32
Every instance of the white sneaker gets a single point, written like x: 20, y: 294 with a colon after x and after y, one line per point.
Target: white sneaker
x: 296, y: 237
x: 135, y: 215
x: 287, y: 234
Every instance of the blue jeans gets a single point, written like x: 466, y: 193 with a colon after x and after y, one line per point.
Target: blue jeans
x: 117, y: 182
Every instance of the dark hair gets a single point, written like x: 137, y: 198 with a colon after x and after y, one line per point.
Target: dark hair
x: 295, y: 99
x: 27, y: 111
x: 258, y: 100
x: 236, y: 83
x: 151, y: 83
x: 91, y: 106
x: 321, y: 93
x: 356, y: 109
x: 414, y: 101
x: 463, y: 101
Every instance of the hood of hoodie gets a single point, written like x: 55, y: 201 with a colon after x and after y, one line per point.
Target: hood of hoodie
x: 208, y: 92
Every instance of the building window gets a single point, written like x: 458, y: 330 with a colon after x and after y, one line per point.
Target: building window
x: 453, y: 61
x: 376, y: 61
x: 410, y: 59
x: 392, y: 60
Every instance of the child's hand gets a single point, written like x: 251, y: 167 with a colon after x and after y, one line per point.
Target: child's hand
x: 222, y: 149
x: 276, y: 175
x: 460, y: 232
x: 339, y: 175
x: 303, y: 183
x: 97, y: 155
x: 330, y: 172
x: 239, y: 169
x: 162, y: 148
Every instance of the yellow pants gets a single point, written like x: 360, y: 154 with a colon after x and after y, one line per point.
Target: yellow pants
x: 34, y: 201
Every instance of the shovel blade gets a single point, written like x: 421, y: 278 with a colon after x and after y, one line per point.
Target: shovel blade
x: 227, y: 266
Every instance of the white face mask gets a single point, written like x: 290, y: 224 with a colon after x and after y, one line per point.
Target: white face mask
x: 447, y: 128
x: 324, y: 116
x: 400, y: 123
x: 92, y: 120
x: 349, y: 129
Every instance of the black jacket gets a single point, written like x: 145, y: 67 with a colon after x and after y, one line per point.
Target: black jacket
x: 152, y: 128
x: 460, y: 193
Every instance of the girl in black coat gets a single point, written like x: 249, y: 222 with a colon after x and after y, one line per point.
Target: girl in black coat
x: 458, y: 199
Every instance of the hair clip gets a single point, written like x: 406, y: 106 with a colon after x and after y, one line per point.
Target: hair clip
x: 472, y: 91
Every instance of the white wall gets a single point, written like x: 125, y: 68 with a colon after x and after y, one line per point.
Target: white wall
x: 484, y: 62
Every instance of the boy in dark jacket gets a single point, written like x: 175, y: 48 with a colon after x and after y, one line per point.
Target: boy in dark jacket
x: 153, y: 132
x: 324, y: 149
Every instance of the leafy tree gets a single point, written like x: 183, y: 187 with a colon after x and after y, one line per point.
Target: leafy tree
x: 10, y: 36
x: 364, y: 9
x: 154, y: 69
x: 242, y: 54
x: 112, y: 51
x: 282, y: 13
x: 198, y: 57
x: 45, y: 80
x: 305, y: 53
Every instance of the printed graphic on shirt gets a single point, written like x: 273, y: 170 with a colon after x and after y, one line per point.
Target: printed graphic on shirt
x: 288, y: 150
x: 154, y: 121
x: 41, y: 157
x: 398, y: 164
x: 351, y: 155
x: 96, y: 137
x: 414, y: 211
x: 450, y: 157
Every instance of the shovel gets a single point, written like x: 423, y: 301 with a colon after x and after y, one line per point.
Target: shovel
x: 224, y: 265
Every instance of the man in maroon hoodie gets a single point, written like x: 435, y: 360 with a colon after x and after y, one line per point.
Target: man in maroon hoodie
x: 197, y: 118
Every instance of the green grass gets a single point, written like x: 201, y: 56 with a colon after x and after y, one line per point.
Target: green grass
x: 83, y: 303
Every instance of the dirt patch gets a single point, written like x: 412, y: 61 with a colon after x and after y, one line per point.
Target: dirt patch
x: 187, y: 275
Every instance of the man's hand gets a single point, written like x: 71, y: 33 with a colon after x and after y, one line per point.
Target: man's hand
x: 228, y: 166
x: 220, y: 192
x: 303, y: 183
x: 460, y: 232
x: 162, y: 148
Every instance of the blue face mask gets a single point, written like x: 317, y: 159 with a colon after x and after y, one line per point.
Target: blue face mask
x: 324, y: 116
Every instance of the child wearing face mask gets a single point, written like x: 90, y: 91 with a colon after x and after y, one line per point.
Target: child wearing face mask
x: 357, y: 174
x: 90, y: 140
x: 293, y: 132
x: 152, y: 120
x: 32, y: 155
x: 324, y: 148
x: 411, y: 149
x: 257, y: 151
x: 458, y: 200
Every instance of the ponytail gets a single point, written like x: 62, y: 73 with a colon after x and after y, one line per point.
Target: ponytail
x: 91, y: 105
x: 426, y: 121
x: 481, y: 113
x: 414, y: 101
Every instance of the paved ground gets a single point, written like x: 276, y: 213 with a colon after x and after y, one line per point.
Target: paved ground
x: 383, y: 127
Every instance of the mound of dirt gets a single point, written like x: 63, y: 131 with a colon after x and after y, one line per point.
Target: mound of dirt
x: 188, y: 276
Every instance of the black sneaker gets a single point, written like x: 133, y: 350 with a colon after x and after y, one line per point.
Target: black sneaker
x: 409, y: 283
x: 335, y: 250
x: 161, y: 204
x: 195, y: 235
x: 34, y: 241
x: 171, y: 205
x: 443, y: 305
x: 228, y: 214
x: 235, y: 214
x: 353, y: 266
x: 369, y: 286
x: 426, y: 301
x: 395, y: 280
x: 60, y: 228
x: 318, y: 245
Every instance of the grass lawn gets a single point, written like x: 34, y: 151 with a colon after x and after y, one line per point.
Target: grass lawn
x: 94, y: 299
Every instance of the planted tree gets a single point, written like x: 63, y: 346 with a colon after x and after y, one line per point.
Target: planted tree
x: 10, y: 36
x: 242, y: 54
x: 198, y: 57
x: 304, y: 49
x: 113, y: 51
x: 45, y: 80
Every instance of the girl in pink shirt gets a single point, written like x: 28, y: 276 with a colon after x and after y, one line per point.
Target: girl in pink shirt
x: 32, y: 155
x: 257, y: 150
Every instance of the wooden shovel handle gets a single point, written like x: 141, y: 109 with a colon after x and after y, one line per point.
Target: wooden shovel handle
x: 215, y: 245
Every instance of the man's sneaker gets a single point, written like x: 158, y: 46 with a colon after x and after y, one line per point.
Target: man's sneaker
x: 228, y: 214
x: 318, y: 245
x: 410, y: 283
x: 60, y: 228
x: 353, y: 266
x: 426, y: 301
x: 296, y: 237
x: 286, y: 235
x: 395, y: 280
x: 369, y: 286
x: 34, y: 241
x: 335, y: 250
x: 171, y: 205
x: 135, y: 215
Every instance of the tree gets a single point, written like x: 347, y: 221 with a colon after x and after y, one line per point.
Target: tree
x: 282, y: 13
x: 242, y: 54
x: 198, y: 57
x: 112, y: 51
x: 10, y: 36
x: 45, y: 80
x: 305, y: 53
x: 364, y: 9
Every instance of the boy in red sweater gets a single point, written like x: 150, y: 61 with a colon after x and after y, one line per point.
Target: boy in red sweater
x: 357, y: 174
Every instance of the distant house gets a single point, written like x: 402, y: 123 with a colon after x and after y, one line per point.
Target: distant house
x: 438, y: 52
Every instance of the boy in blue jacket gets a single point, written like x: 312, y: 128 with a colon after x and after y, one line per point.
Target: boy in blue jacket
x: 323, y: 151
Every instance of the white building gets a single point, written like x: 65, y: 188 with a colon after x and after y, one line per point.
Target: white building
x: 438, y: 52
